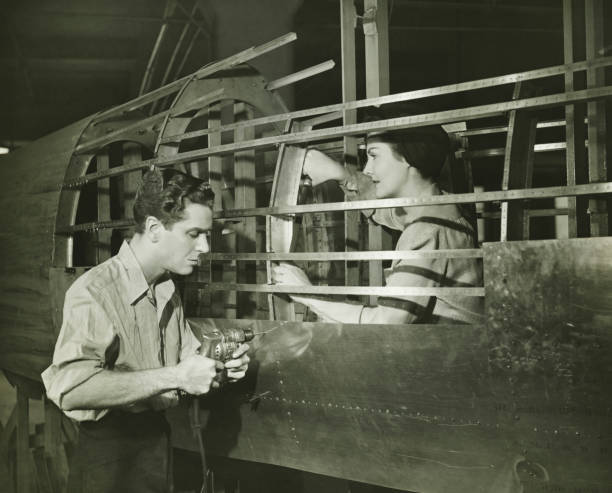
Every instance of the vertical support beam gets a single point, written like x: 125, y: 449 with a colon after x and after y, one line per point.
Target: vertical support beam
x: 518, y: 167
x: 25, y: 478
x: 215, y: 172
x: 348, y: 22
x: 596, y: 112
x: 575, y: 154
x: 132, y: 153
x: 229, y: 241
x: 153, y: 59
x: 376, y: 33
x: 460, y: 176
x: 5, y: 439
x: 175, y: 52
x: 244, y: 193
x: 321, y: 234
x: 215, y: 178
x: 264, y: 165
x: 279, y: 229
x: 200, y: 297
x: 103, y: 247
x: 55, y: 455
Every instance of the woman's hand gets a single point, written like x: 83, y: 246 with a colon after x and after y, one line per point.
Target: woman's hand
x: 321, y: 168
x: 289, y: 274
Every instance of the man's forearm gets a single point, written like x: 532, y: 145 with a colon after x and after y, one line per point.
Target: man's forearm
x: 109, y: 389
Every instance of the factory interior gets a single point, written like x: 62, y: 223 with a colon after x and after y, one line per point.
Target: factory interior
x: 238, y: 93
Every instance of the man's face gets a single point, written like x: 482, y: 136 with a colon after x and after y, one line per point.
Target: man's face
x: 183, y: 241
x: 388, y: 171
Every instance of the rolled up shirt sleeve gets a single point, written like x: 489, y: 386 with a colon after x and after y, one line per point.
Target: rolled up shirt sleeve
x: 86, y: 340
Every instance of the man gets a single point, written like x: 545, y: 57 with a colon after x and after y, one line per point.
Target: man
x: 125, y: 351
x: 402, y: 163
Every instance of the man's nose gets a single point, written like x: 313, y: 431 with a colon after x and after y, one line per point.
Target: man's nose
x: 368, y: 170
x: 202, y: 244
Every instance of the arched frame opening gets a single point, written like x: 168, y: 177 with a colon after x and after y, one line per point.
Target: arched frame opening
x: 97, y: 214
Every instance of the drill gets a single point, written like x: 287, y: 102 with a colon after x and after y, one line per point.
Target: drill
x: 221, y: 343
x: 217, y: 344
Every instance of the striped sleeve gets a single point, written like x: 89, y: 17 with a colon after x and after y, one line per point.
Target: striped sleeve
x: 424, y: 272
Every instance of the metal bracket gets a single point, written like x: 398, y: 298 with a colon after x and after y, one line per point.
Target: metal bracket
x: 369, y: 22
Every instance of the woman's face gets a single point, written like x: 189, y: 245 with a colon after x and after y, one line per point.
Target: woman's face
x: 388, y: 170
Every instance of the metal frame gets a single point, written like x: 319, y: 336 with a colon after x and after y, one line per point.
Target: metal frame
x: 281, y: 211
x: 351, y: 104
x: 340, y: 290
x: 448, y: 116
x: 464, y: 198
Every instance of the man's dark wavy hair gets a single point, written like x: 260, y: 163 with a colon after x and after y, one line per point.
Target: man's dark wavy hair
x: 425, y: 148
x: 164, y: 194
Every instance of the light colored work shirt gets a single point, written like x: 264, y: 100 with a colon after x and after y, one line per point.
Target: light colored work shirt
x: 432, y: 227
x: 113, y: 321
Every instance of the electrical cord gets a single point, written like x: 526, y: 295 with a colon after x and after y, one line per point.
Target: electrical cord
x: 196, y: 427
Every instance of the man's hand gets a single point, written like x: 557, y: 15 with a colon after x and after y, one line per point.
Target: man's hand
x: 321, y: 168
x: 237, y: 367
x: 195, y: 374
x: 289, y: 274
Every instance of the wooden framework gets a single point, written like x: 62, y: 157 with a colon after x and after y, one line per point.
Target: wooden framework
x: 121, y: 143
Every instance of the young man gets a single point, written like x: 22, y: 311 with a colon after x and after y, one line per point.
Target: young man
x: 402, y: 163
x: 125, y: 351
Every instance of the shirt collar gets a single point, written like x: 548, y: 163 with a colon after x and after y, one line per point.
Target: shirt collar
x: 136, y: 284
x: 406, y: 215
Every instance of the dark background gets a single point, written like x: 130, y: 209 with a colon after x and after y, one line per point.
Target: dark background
x: 63, y: 60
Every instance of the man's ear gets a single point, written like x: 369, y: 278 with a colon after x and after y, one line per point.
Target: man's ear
x: 153, y: 228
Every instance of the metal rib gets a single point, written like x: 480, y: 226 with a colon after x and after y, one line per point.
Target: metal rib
x: 460, y: 198
x: 330, y: 256
x: 301, y: 75
x: 241, y: 57
x: 403, y: 96
x: 342, y: 290
x: 447, y: 116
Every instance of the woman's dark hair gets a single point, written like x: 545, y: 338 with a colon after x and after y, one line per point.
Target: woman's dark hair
x: 163, y: 194
x: 425, y: 148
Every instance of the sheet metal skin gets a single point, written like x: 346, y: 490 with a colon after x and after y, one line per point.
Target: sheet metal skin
x: 521, y: 399
x: 32, y: 205
x: 399, y: 406
x: 30, y: 184
x: 549, y: 311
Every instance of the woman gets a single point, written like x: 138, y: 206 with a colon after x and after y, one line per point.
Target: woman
x: 402, y: 163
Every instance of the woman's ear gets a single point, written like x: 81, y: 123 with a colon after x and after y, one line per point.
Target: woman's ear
x: 153, y: 228
x: 405, y: 163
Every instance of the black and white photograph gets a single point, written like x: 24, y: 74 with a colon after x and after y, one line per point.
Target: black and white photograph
x: 306, y: 246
